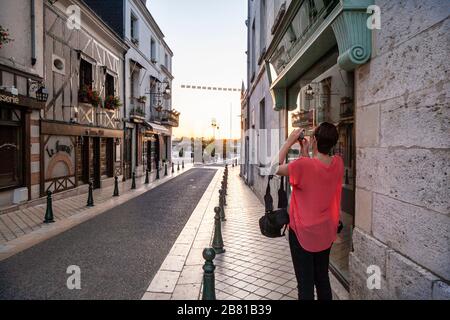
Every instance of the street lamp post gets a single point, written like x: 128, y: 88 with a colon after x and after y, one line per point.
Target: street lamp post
x: 214, y: 126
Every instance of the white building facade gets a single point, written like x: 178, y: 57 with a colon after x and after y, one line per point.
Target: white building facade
x: 148, y: 83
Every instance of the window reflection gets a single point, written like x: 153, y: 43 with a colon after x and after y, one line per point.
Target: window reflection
x: 329, y: 97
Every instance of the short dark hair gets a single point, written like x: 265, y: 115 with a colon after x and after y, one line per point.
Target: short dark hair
x: 326, y: 136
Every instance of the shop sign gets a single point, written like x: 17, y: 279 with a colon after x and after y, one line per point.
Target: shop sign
x: 9, y: 99
x: 59, y: 148
x: 90, y: 132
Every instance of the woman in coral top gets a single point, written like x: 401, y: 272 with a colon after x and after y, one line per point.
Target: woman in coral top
x: 315, y: 206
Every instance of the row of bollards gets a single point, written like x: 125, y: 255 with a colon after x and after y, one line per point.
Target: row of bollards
x: 209, y: 254
x: 49, y: 218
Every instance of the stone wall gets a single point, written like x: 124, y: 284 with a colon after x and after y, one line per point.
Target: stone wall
x: 403, y: 150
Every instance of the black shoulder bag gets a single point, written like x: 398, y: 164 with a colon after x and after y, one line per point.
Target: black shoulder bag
x: 274, y: 223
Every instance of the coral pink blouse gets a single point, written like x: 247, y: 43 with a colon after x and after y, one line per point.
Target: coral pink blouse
x: 315, y: 201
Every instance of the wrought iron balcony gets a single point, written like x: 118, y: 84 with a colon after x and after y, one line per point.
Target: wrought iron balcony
x: 166, y: 117
x: 303, y: 119
x: 137, y: 113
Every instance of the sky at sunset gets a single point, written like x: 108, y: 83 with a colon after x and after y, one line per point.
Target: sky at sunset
x: 209, y: 40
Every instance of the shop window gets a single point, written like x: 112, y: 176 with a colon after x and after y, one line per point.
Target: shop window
x: 11, y: 149
x: 329, y: 97
x: 262, y: 134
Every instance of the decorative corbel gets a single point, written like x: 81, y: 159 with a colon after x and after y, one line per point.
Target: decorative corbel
x: 353, y: 36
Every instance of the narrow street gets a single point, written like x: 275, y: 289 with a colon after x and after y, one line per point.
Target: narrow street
x: 118, y: 251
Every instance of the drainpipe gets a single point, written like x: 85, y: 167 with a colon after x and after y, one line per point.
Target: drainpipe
x: 33, y: 32
x: 124, y: 6
x: 124, y: 114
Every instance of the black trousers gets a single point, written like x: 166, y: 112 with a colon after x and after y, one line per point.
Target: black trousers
x: 311, y: 269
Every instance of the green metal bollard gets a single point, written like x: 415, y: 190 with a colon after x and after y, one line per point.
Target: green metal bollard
x: 116, y: 186
x: 217, y: 239
x: 224, y: 187
x: 157, y: 172
x: 178, y: 166
x: 90, y: 201
x: 209, y: 291
x: 49, y: 212
x: 133, y: 181
x: 223, y: 194
x: 182, y: 164
x: 222, y: 209
x: 173, y: 168
x: 147, y: 179
x: 165, y: 169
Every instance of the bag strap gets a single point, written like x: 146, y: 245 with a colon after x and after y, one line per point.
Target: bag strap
x: 284, y: 230
x: 268, y: 200
x: 282, y: 196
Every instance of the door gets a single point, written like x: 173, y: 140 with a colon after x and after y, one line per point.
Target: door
x: 96, y: 163
x: 150, y: 157
x: 157, y: 151
x: 110, y: 157
x: 127, y: 153
x: 85, y: 160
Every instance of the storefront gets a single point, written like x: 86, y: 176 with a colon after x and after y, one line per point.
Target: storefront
x: 329, y: 97
x: 310, y: 67
x: 155, y: 145
x: 74, y: 155
x: 19, y: 137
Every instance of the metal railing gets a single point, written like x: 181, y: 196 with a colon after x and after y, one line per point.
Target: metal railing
x: 165, y: 117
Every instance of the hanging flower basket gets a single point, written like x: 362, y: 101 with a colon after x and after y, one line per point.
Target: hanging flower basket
x: 142, y: 99
x: 87, y: 95
x: 4, y: 37
x: 112, y: 102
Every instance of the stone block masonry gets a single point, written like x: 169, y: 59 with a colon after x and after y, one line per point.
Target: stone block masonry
x: 403, y: 150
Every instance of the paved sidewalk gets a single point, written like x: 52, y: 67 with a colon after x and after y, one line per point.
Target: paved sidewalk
x: 252, y: 268
x: 23, y: 228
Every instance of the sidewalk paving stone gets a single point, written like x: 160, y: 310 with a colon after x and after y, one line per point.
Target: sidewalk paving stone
x: 252, y: 268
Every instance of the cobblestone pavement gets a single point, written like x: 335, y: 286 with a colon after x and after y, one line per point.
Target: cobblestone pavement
x: 22, y: 228
x: 252, y: 268
x: 118, y: 251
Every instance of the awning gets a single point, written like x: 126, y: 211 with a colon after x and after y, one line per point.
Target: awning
x: 157, y: 128
x: 136, y: 64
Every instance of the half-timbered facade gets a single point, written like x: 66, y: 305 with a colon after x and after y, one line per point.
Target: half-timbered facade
x: 81, y: 128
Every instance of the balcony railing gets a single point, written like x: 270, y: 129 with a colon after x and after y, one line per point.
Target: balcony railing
x: 303, y: 119
x: 166, y: 117
x: 86, y: 114
x: 137, y: 113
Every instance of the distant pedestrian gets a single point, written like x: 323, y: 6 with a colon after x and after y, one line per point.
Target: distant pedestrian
x: 315, y: 207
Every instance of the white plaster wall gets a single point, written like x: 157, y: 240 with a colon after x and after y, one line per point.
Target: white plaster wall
x: 15, y: 15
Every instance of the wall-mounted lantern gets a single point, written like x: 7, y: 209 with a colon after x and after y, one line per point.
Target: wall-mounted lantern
x: 309, y: 93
